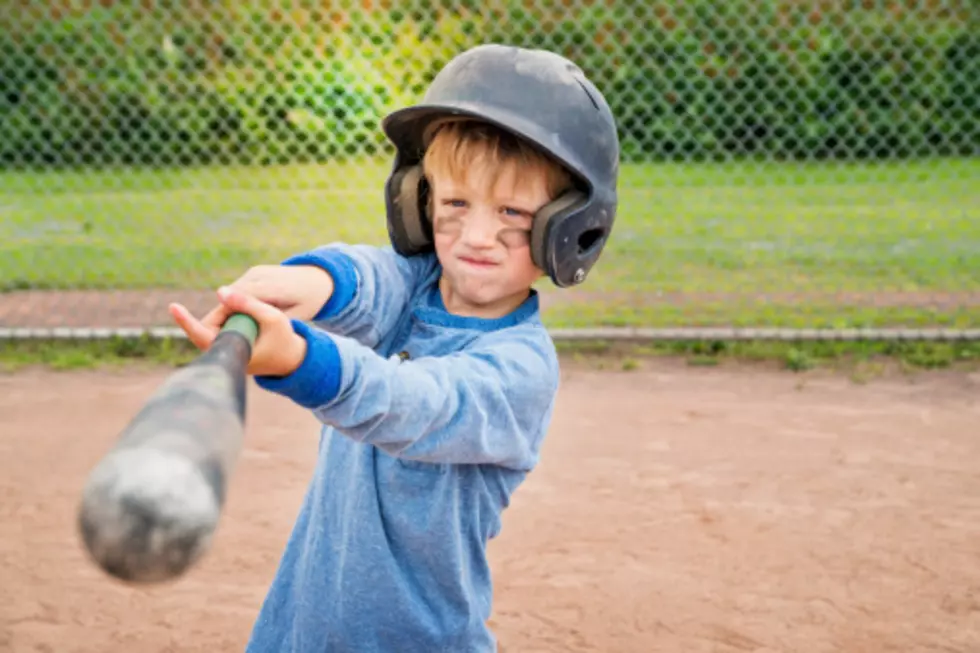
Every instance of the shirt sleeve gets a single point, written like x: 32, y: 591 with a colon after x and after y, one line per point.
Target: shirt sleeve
x: 490, y: 404
x: 372, y: 288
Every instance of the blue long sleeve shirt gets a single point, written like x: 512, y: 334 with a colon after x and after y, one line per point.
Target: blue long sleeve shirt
x: 430, y: 423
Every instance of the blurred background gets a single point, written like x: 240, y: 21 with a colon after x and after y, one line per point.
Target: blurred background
x: 786, y: 163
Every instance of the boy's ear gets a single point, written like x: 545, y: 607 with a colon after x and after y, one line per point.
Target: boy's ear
x: 409, y: 224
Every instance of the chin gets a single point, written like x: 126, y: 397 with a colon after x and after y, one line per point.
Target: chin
x: 479, y: 293
x: 499, y: 297
x: 480, y: 296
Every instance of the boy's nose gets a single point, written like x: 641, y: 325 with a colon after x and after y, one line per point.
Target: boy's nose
x: 480, y: 230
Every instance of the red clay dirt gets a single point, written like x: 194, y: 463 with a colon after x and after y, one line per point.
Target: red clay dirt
x: 675, y: 509
x: 148, y: 307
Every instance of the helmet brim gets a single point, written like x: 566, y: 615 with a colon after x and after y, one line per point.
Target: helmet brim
x: 405, y: 129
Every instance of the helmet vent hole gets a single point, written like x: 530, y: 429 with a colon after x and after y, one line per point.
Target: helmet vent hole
x: 591, y: 99
x: 588, y: 239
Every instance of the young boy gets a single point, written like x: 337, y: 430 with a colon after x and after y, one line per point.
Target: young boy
x: 427, y: 362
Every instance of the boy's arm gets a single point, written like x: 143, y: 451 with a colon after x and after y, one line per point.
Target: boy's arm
x: 488, y: 405
x: 372, y: 287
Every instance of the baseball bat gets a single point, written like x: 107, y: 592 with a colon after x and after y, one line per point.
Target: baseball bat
x: 150, y: 506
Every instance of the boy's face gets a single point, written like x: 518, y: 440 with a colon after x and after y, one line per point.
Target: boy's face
x: 482, y: 234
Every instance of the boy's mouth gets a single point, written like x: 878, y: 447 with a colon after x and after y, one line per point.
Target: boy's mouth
x: 477, y: 262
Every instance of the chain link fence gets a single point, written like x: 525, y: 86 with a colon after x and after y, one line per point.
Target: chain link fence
x: 786, y: 164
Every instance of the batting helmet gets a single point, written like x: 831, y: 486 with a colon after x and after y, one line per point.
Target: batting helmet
x: 543, y: 98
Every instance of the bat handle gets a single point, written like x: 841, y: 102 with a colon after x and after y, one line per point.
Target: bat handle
x: 244, y: 325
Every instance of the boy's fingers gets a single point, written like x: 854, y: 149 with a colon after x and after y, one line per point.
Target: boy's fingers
x: 200, y: 335
x: 238, y: 302
x: 216, y: 317
x: 266, y: 290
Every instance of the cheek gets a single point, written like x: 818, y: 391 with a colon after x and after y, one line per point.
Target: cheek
x: 443, y: 242
x: 445, y: 224
x: 523, y: 266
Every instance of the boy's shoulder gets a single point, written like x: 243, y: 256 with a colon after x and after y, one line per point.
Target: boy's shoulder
x: 528, y: 333
x: 527, y: 345
x: 522, y: 344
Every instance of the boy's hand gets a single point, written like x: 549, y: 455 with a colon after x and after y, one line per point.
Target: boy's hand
x: 278, y: 350
x: 299, y: 291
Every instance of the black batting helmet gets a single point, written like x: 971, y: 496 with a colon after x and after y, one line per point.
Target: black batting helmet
x: 543, y: 98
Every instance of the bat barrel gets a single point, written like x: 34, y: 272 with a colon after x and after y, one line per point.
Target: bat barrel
x: 149, y: 514
x: 150, y: 507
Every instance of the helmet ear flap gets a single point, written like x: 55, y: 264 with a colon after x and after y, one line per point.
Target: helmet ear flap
x: 543, y: 251
x: 407, y: 195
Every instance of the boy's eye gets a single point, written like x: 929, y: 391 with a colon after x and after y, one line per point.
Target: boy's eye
x: 517, y: 217
x: 455, y: 203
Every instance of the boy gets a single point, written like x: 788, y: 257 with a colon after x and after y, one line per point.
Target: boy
x: 427, y: 362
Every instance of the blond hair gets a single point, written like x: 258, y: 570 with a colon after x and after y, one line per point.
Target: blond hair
x: 455, y: 147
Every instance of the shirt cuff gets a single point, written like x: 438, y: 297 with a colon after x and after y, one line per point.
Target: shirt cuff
x: 316, y: 382
x: 341, y: 269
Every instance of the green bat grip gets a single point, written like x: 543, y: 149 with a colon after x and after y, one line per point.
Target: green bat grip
x: 243, y: 324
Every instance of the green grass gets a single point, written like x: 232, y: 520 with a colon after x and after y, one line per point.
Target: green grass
x: 719, y: 233
x: 806, y: 315
x: 807, y: 228
x: 859, y: 359
x: 87, y: 354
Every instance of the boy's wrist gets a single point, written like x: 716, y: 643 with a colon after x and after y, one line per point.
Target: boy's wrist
x: 315, y: 381
x: 295, y: 354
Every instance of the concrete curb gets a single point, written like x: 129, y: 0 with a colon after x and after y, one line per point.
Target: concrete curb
x: 611, y: 334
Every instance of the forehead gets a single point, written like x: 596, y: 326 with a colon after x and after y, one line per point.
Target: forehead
x: 507, y: 177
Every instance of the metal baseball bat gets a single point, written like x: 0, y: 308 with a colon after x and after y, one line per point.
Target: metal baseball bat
x: 151, y: 505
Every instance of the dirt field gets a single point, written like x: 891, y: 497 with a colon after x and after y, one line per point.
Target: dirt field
x: 676, y: 509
